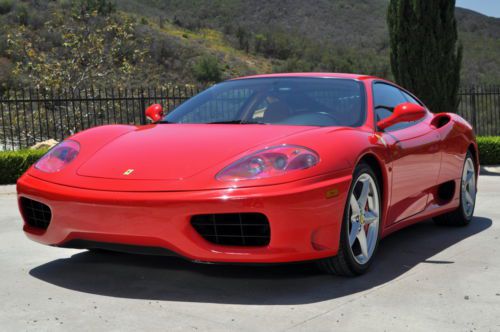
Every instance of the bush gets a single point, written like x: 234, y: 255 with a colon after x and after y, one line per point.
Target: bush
x: 5, y: 6
x: 14, y: 163
x: 23, y: 14
x: 207, y: 69
x: 294, y: 65
x: 87, y: 7
x: 489, y: 150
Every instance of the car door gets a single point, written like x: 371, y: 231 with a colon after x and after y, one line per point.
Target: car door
x: 416, y: 157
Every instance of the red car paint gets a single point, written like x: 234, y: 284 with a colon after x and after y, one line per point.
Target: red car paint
x: 174, y: 168
x: 154, y: 112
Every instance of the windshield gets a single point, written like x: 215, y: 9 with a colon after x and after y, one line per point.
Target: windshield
x: 277, y: 100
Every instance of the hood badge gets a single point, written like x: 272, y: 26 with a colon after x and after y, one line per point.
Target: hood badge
x: 128, y: 171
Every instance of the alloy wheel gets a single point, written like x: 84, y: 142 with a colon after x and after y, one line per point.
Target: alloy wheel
x: 468, y: 187
x: 364, y: 212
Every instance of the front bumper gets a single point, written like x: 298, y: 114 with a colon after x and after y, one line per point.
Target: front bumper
x: 304, y: 216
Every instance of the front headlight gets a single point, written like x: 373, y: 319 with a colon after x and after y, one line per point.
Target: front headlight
x: 272, y: 161
x: 58, y: 157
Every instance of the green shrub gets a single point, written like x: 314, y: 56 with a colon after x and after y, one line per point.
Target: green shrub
x: 14, y: 163
x: 293, y: 65
x: 23, y: 14
x: 207, y: 69
x: 87, y: 7
x: 489, y: 150
x: 5, y: 6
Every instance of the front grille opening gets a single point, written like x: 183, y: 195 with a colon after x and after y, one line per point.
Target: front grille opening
x: 36, y: 214
x: 233, y: 229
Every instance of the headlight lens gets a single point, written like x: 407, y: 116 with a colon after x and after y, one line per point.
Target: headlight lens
x: 273, y: 161
x: 58, y: 157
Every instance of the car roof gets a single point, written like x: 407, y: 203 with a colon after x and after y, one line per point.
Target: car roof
x: 317, y: 75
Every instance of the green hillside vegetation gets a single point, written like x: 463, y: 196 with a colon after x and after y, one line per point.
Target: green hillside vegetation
x: 79, y: 43
x: 75, y: 43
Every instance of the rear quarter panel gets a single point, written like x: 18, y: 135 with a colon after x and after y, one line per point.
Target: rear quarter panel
x: 456, y: 138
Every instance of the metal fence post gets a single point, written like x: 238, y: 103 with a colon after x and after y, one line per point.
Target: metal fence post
x: 474, y: 110
x: 143, y: 107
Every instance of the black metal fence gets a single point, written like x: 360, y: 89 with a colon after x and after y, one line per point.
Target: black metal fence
x: 480, y: 106
x: 30, y: 116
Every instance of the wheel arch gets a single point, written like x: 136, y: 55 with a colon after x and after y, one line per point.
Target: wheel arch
x: 376, y: 165
x: 379, y: 168
x: 475, y: 154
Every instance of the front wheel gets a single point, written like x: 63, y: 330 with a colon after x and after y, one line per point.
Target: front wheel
x: 360, y: 228
x: 463, y: 214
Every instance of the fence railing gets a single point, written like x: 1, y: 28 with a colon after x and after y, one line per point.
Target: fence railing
x: 480, y: 106
x: 30, y: 116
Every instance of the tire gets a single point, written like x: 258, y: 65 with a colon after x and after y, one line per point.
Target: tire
x: 464, y: 213
x: 350, y: 260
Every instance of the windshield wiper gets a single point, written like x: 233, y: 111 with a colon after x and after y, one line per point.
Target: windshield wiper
x: 236, y: 122
x: 225, y: 122
x: 222, y: 122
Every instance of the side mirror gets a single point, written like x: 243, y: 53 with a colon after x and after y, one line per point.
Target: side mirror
x: 154, y: 113
x: 404, y: 112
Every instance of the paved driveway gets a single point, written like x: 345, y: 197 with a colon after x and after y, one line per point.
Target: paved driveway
x: 425, y: 278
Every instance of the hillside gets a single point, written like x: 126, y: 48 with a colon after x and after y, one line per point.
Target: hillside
x: 151, y: 42
x: 351, y: 31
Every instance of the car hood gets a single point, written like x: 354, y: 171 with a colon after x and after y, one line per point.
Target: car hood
x: 177, y: 151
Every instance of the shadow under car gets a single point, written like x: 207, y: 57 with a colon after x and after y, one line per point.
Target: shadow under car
x: 174, y: 279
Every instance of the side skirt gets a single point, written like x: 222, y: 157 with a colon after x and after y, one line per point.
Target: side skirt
x: 440, y: 201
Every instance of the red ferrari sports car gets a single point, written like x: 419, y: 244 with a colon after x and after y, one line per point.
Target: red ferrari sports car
x: 260, y: 169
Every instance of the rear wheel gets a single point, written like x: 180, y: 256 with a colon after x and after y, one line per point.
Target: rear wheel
x: 360, y: 228
x: 463, y: 214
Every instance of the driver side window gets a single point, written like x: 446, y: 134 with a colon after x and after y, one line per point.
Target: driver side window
x: 388, y: 96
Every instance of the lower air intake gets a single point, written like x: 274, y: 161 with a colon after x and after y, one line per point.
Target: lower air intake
x: 36, y: 214
x: 233, y: 229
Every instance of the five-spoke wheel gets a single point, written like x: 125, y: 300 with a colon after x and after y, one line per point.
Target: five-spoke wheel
x: 361, y: 226
x: 468, y: 187
x: 364, y: 210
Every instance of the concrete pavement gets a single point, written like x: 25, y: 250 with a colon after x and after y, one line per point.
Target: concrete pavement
x: 424, y: 278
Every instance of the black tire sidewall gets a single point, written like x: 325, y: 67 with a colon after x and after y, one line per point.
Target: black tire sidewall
x: 351, y: 261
